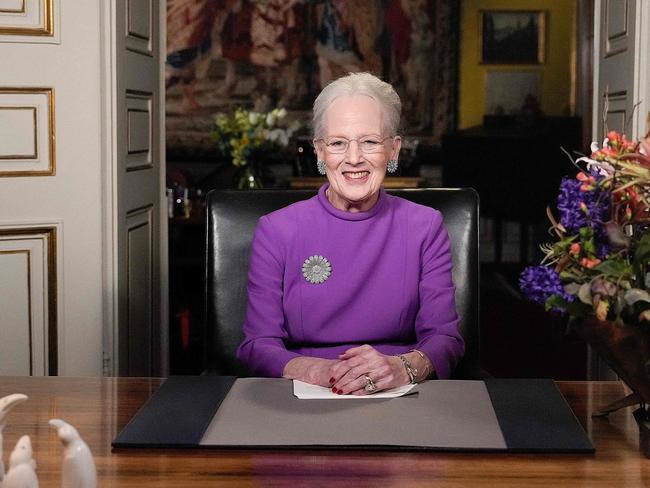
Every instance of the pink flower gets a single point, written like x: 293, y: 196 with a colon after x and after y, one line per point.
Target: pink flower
x: 614, y: 138
x: 575, y: 249
x: 589, y: 263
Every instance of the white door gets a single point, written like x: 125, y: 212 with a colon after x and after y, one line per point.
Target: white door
x: 50, y: 194
x: 621, y: 84
x: 81, y: 238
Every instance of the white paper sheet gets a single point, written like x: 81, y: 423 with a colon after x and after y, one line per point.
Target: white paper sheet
x: 305, y: 391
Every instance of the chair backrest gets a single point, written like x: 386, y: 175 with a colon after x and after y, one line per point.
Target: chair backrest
x: 231, y: 220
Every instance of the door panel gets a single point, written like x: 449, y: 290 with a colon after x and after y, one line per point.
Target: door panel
x: 140, y: 171
x: 617, y: 62
x: 28, y: 319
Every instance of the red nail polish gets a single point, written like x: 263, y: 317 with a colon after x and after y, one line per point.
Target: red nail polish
x: 332, y: 379
x: 339, y: 392
x: 333, y: 390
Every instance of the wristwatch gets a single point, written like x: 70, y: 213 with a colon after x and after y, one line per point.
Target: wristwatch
x: 410, y: 370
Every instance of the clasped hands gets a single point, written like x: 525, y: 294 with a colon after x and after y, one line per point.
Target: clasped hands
x: 347, y: 374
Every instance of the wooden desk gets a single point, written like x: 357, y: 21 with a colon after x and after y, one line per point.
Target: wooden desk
x: 100, y: 407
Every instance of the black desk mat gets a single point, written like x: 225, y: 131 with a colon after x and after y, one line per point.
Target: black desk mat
x: 532, y: 416
x: 535, y: 417
x: 177, y: 414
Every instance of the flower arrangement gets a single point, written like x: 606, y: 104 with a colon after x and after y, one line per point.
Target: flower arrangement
x: 598, y: 265
x: 245, y: 135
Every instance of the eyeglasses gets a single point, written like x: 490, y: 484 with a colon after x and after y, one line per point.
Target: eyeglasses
x: 367, y: 144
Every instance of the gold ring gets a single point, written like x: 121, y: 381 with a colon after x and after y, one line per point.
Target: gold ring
x: 370, y: 385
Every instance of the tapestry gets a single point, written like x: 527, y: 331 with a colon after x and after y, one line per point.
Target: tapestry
x: 262, y: 54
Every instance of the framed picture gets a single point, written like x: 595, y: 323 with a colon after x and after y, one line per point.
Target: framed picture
x: 512, y: 36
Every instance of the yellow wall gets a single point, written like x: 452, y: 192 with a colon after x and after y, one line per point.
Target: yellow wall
x: 555, y: 71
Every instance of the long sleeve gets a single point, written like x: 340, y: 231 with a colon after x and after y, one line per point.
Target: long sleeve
x: 436, y: 322
x: 263, y: 350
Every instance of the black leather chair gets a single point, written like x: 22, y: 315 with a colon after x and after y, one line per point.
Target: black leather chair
x: 231, y: 220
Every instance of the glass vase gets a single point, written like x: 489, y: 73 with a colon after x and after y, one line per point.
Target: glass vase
x: 248, y: 179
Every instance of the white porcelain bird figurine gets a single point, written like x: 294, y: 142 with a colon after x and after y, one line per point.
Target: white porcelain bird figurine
x: 22, y: 466
x: 6, y: 404
x: 78, y: 467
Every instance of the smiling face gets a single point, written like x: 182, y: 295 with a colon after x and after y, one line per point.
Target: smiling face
x: 355, y: 177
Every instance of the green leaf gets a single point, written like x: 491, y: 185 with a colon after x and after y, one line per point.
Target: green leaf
x: 642, y: 256
x: 615, y: 269
x: 586, y: 233
x: 565, y: 243
x: 567, y: 276
x: 643, y: 247
x: 590, y: 248
x: 555, y: 301
x: 574, y: 309
x: 587, y: 241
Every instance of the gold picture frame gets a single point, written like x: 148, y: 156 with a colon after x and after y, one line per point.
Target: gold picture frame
x: 45, y: 29
x: 512, y: 37
x: 49, y: 233
x: 20, y: 10
x: 49, y: 168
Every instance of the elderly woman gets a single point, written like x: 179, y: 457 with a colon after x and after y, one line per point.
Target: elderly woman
x: 352, y: 289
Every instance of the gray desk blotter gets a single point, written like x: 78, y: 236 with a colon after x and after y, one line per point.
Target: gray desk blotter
x: 445, y: 415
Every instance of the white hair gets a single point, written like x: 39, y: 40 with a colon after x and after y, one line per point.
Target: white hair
x: 358, y: 84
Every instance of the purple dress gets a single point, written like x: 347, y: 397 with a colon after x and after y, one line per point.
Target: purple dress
x: 390, y: 285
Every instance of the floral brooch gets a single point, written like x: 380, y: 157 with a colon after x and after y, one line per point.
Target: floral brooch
x: 316, y: 269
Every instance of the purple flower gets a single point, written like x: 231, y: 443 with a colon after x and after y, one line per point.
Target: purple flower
x: 538, y: 283
x: 602, y: 250
x: 573, y: 215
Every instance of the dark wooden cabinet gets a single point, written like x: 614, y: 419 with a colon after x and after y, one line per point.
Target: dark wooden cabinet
x: 516, y: 166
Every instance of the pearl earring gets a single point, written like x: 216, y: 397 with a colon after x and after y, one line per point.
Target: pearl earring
x: 320, y: 164
x: 391, y: 167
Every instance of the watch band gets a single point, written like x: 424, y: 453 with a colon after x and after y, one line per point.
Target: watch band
x: 410, y: 370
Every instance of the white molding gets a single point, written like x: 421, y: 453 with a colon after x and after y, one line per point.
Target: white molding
x: 596, y: 112
x: 60, y: 278
x: 641, y: 70
x: 55, y: 38
x: 109, y: 187
x: 42, y: 100
x: 163, y: 218
x: 27, y: 223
